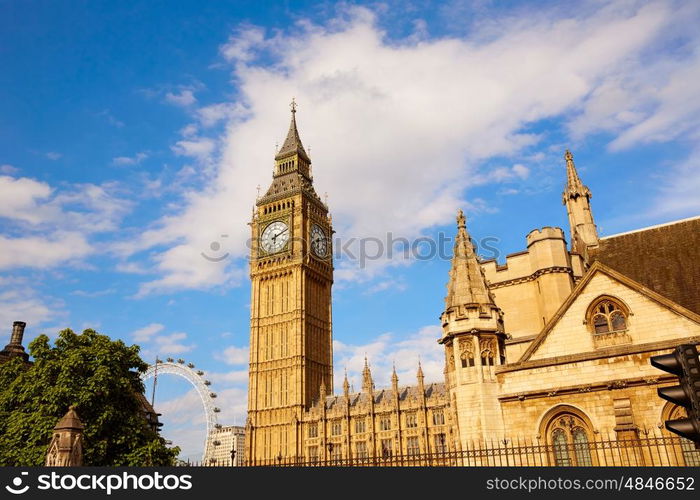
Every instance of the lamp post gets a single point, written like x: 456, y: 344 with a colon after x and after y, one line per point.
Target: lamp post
x: 233, y: 456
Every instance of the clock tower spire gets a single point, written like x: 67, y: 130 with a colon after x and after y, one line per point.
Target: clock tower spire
x: 291, y: 272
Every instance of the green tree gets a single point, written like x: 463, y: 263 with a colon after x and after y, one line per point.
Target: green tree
x: 101, y: 377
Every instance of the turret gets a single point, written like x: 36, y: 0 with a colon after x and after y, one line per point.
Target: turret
x: 66, y: 447
x: 473, y: 336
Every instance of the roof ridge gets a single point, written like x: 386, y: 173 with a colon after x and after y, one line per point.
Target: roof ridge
x: 656, y: 226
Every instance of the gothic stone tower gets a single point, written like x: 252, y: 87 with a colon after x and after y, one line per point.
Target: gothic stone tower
x: 473, y: 337
x: 291, y: 271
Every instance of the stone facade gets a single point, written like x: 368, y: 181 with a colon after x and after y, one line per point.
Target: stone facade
x: 552, y: 345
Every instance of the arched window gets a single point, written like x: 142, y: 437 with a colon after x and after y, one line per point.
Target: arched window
x: 568, y: 436
x: 607, y: 315
x: 487, y: 353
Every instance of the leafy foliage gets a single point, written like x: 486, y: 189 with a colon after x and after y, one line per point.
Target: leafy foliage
x: 97, y: 375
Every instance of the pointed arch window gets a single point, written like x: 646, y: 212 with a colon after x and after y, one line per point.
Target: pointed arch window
x: 466, y: 353
x: 607, y: 315
x: 487, y: 353
x: 568, y: 436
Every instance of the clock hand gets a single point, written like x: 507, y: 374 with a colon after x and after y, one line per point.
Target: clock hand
x: 279, y: 234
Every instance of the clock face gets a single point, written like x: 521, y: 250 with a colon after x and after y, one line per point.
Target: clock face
x: 274, y: 237
x: 319, y: 242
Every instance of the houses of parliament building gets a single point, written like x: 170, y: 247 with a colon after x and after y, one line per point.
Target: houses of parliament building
x: 552, y: 345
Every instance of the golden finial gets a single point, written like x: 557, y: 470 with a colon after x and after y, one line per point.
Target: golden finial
x: 258, y: 195
x: 568, y: 156
x: 461, y: 220
x: 293, y: 105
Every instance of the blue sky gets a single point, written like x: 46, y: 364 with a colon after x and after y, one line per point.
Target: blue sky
x: 134, y: 134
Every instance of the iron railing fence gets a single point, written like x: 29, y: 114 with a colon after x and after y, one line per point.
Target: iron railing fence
x: 598, y: 452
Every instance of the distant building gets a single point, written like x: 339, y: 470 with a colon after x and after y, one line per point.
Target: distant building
x: 222, y: 443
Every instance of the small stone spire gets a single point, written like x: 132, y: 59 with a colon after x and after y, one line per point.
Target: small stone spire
x: 467, y: 284
x: 15, y: 348
x: 346, y: 385
x: 322, y: 391
x: 394, y: 380
x: 66, y: 447
x: 367, y: 382
x: 577, y: 198
x: 421, y: 382
x: 574, y: 186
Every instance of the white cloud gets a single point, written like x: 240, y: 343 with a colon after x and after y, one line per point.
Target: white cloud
x: 52, y: 155
x: 388, y: 350
x: 243, y: 45
x: 232, y: 377
x: 130, y: 160
x: 396, y: 285
x: 184, y: 267
x: 21, y: 302
x: 42, y: 252
x: 195, y: 147
x: 399, y: 129
x: 233, y: 355
x: 92, y: 294
x: 185, y: 97
x: 145, y: 333
x: 8, y: 169
x: 521, y: 171
x: 189, y: 130
x: 171, y: 344
x: 48, y: 227
x: 155, y: 344
x: 22, y: 198
x: 214, y: 113
x: 678, y: 194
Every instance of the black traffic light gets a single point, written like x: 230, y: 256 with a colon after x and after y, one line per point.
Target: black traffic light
x: 685, y: 364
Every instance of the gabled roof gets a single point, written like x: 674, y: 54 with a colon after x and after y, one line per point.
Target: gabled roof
x: 596, y: 268
x: 665, y: 258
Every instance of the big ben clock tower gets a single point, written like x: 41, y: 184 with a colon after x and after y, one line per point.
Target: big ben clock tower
x: 291, y: 271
